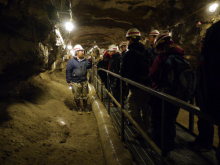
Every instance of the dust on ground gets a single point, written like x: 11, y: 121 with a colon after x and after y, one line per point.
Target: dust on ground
x: 39, y: 124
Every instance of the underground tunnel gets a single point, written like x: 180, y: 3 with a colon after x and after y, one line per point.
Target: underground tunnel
x: 39, y: 122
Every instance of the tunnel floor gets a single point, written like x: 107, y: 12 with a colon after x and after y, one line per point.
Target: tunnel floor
x: 181, y: 155
x: 39, y: 124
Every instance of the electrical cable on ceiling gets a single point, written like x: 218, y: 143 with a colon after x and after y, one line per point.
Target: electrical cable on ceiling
x: 192, y: 14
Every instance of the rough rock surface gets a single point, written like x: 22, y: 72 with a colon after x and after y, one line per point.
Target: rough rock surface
x: 38, y: 127
x: 28, y: 38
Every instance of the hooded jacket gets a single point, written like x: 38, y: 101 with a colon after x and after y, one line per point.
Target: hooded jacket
x: 156, y: 68
x: 76, y: 71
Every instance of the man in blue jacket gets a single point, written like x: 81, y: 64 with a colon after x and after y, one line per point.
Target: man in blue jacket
x: 76, y: 72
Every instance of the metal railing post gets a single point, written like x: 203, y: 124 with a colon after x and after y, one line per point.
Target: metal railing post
x: 108, y: 86
x: 93, y: 73
x: 162, y: 131
x: 102, y: 86
x: 191, y: 117
x: 97, y: 84
x: 122, y: 114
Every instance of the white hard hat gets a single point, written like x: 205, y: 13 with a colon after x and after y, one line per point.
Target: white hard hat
x: 133, y: 32
x: 123, y: 43
x: 159, y: 38
x: 102, y: 51
x: 78, y: 47
x: 113, y: 48
x: 154, y: 33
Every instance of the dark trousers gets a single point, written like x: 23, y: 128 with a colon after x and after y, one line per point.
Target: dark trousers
x: 206, y: 133
x: 170, y: 114
x: 206, y: 129
x: 115, y: 89
x: 103, y: 76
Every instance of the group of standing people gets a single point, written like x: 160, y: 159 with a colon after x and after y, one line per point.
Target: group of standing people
x: 165, y: 69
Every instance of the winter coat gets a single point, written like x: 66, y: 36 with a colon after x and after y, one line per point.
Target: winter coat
x: 152, y: 51
x: 76, y: 71
x: 156, y: 68
x: 104, y: 62
x: 114, y: 65
x: 210, y: 86
x: 130, y: 64
x: 104, y: 65
x: 123, y: 54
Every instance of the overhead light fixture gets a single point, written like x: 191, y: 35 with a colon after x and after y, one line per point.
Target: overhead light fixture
x: 69, y: 26
x: 60, y: 38
x: 69, y: 47
x: 95, y: 46
x: 213, y: 7
x: 91, y: 50
x: 72, y: 52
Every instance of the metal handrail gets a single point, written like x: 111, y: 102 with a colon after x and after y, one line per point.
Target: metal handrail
x: 194, y: 110
x: 173, y: 100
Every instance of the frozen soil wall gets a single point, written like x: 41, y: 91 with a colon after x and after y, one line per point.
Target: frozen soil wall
x: 39, y: 125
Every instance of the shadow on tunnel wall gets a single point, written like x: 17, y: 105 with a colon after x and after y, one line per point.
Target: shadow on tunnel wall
x: 70, y: 103
x: 4, y: 114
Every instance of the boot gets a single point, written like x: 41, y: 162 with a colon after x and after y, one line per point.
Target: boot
x: 78, y: 106
x: 85, y: 106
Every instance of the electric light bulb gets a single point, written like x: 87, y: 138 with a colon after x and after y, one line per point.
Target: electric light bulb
x: 69, y: 47
x: 72, y: 52
x: 70, y: 87
x: 69, y: 26
x: 213, y: 7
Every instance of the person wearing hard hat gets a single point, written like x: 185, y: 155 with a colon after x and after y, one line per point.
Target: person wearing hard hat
x: 76, y: 72
x: 210, y: 85
x: 171, y: 74
x: 114, y: 66
x: 208, y: 90
x: 153, y: 34
x: 123, y: 47
x: 103, y: 63
x: 131, y: 69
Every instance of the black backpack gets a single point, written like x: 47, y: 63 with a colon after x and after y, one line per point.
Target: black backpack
x: 143, y: 64
x: 178, y: 75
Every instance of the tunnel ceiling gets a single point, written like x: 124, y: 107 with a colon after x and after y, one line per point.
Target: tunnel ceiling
x: 28, y: 39
x: 106, y: 21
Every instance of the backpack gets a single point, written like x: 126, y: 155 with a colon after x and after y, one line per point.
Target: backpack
x: 143, y: 64
x: 178, y: 76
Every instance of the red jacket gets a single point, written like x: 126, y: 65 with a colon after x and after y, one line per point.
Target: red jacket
x: 155, y: 69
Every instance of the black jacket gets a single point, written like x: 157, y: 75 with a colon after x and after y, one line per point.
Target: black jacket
x: 211, y: 69
x: 104, y: 63
x: 130, y: 62
x: 115, y: 65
